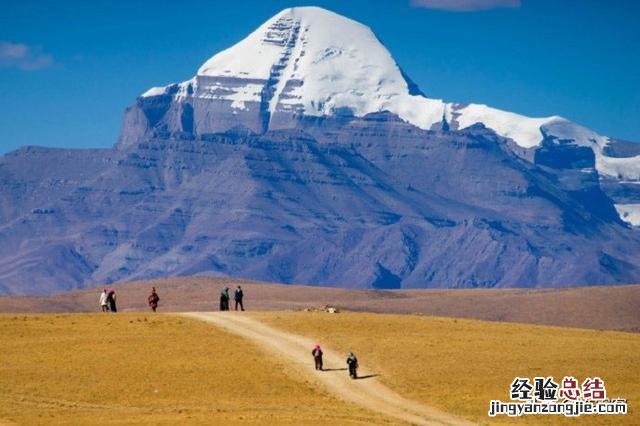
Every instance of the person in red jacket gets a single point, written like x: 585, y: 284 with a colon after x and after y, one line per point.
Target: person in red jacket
x: 153, y: 299
x: 317, y: 356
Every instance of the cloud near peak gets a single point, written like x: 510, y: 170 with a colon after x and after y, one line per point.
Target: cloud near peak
x: 465, y: 5
x: 24, y: 57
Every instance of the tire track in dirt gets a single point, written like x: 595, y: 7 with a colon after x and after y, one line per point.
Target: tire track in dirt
x: 368, y: 393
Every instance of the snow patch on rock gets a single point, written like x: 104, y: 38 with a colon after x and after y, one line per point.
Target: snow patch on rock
x: 630, y: 213
x: 525, y: 131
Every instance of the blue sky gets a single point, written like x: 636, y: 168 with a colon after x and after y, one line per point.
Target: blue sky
x: 68, y: 69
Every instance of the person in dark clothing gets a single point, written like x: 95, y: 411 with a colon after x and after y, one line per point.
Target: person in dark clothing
x: 153, y: 299
x: 111, y: 298
x: 352, y: 363
x: 317, y: 356
x: 224, y: 299
x: 237, y: 296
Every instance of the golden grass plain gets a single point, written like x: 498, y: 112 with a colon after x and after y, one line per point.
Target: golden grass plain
x: 140, y: 368
x: 460, y: 365
x: 160, y: 369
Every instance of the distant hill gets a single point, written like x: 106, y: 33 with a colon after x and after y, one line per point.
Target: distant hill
x: 601, y: 308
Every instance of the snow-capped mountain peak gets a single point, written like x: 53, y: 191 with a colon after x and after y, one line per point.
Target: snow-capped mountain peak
x: 311, y: 61
x: 308, y: 61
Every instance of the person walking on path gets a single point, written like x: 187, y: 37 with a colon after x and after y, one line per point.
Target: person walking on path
x: 352, y: 363
x: 153, y: 299
x: 104, y: 305
x: 237, y: 296
x: 317, y: 356
x: 224, y: 299
x: 111, y: 298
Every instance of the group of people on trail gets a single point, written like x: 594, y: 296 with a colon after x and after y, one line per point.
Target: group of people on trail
x: 108, y: 300
x: 108, y: 304
x: 352, y: 361
x: 238, y: 295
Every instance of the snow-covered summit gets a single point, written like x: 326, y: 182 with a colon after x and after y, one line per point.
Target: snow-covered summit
x: 311, y: 61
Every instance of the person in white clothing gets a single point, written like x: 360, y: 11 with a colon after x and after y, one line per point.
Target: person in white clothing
x: 103, y: 301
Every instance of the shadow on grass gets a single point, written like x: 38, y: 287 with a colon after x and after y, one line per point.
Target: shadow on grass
x: 368, y: 376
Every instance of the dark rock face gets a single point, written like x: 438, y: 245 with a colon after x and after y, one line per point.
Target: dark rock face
x: 621, y: 149
x: 343, y: 201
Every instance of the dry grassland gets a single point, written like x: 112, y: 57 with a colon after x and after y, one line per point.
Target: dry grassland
x: 150, y: 369
x: 460, y: 365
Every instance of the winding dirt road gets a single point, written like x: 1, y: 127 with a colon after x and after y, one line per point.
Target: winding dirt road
x: 368, y: 392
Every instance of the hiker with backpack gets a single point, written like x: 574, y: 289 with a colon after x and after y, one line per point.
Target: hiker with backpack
x: 237, y: 296
x: 352, y: 363
x: 317, y: 356
x: 153, y: 299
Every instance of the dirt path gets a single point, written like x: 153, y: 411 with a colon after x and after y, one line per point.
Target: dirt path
x: 367, y: 392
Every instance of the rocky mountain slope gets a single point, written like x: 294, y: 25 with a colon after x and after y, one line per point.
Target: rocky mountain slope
x: 302, y: 156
